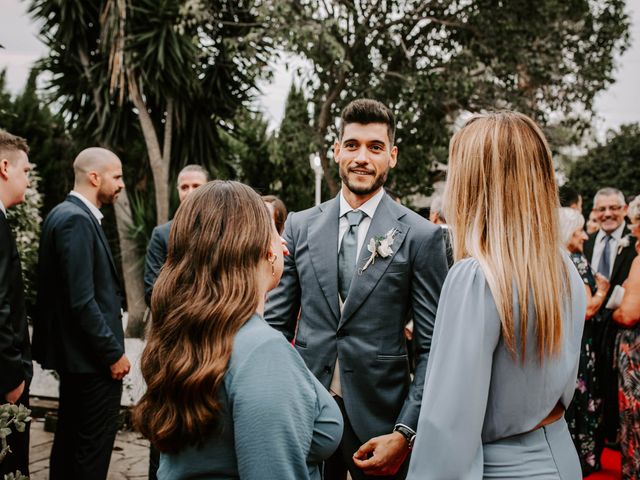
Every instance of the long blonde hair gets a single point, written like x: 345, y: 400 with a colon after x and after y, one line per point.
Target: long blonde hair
x: 501, y: 201
x: 207, y: 289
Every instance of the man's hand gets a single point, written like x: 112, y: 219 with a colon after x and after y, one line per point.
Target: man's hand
x: 15, y: 394
x: 120, y: 368
x: 382, y: 455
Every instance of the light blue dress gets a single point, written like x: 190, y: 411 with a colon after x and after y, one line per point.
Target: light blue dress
x: 480, y: 405
x: 278, y: 422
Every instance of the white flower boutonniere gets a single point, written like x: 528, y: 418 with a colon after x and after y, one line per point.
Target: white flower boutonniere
x: 623, y: 243
x: 380, y: 246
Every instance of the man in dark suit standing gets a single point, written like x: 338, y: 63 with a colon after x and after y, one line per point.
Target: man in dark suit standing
x: 15, y: 352
x: 610, y: 252
x: 189, y: 178
x: 78, y: 327
x: 360, y: 265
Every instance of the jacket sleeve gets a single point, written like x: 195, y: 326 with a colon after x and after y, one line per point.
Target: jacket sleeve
x: 75, y: 248
x: 458, y: 378
x: 154, y: 259
x: 429, y: 271
x: 12, y: 371
x: 283, y: 302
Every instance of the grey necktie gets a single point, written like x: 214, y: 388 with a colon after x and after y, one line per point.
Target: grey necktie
x: 604, y: 266
x: 347, y: 254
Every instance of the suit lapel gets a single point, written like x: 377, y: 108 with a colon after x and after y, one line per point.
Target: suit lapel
x: 621, y: 258
x: 99, y: 230
x: 322, y: 236
x: 363, y: 283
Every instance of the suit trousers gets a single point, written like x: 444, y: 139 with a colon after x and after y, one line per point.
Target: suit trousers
x: 337, y: 465
x: 87, y: 426
x: 18, y: 459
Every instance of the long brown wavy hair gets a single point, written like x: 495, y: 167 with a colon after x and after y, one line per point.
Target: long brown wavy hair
x: 501, y: 202
x: 207, y: 289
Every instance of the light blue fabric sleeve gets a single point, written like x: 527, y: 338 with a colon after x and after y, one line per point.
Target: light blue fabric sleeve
x: 467, y: 331
x: 273, y: 403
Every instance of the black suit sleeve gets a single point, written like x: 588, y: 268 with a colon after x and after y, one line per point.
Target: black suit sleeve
x: 75, y: 248
x: 155, y: 258
x: 11, y: 369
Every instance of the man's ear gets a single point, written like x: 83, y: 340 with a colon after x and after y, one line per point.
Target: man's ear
x: 4, y: 169
x: 94, y: 178
x: 336, y: 151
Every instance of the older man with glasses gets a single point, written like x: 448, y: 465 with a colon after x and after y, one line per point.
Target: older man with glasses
x: 610, y: 252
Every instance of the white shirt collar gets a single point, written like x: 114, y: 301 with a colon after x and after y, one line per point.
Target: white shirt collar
x: 94, y: 210
x: 4, y: 210
x: 369, y: 207
x: 617, y: 233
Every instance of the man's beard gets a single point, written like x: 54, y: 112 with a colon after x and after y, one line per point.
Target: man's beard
x: 364, y: 190
x: 106, y: 199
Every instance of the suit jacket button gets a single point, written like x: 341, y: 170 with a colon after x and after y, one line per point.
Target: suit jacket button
x: 342, y: 333
x: 327, y: 369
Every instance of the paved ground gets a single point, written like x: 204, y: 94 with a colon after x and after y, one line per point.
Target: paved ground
x: 129, y: 460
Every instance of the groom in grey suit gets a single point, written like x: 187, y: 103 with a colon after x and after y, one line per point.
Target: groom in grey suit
x: 360, y: 265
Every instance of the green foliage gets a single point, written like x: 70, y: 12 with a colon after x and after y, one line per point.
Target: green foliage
x: 431, y: 61
x: 12, y: 416
x: 248, y: 151
x: 292, y: 146
x: 615, y: 163
x: 25, y: 223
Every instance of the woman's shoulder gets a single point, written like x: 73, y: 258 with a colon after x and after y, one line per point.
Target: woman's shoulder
x: 256, y: 333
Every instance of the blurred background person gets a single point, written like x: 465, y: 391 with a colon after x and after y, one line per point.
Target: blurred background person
x: 278, y: 211
x: 189, y: 178
x: 610, y: 253
x: 627, y: 316
x: 227, y: 396
x: 584, y: 415
x: 570, y: 198
x: 436, y: 215
x: 592, y: 223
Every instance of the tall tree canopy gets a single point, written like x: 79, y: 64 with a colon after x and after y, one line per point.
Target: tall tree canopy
x: 431, y: 60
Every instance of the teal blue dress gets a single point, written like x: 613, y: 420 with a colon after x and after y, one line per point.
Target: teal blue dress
x: 278, y: 422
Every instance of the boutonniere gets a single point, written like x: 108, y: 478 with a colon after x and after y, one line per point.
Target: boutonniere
x: 380, y: 246
x: 623, y: 243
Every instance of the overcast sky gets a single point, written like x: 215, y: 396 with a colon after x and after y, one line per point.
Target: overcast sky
x: 619, y: 104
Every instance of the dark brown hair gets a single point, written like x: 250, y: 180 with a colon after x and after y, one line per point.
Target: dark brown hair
x: 12, y: 143
x: 207, y: 289
x: 367, y: 111
x: 279, y: 211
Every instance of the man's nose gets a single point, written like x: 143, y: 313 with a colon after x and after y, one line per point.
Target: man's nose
x: 362, y: 154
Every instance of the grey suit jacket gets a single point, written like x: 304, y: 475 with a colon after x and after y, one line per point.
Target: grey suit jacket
x: 367, y: 336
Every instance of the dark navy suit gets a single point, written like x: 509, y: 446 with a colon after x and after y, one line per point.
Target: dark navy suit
x: 78, y: 332
x: 15, y: 351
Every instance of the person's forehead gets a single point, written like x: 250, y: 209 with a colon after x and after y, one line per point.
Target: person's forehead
x: 366, y: 132
x: 608, y: 200
x: 191, y: 177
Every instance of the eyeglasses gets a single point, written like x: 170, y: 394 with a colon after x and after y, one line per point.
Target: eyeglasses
x: 613, y: 208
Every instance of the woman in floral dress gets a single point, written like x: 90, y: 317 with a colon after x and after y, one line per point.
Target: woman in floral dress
x: 584, y: 415
x: 628, y: 316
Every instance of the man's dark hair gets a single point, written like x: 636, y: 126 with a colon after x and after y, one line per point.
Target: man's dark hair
x: 568, y: 196
x: 367, y: 111
x: 12, y: 143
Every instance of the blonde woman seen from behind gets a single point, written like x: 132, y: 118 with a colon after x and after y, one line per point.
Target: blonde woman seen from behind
x: 504, y: 359
x: 227, y: 396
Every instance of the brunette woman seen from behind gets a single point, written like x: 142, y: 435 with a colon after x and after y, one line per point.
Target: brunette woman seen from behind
x: 227, y: 396
x: 506, y: 344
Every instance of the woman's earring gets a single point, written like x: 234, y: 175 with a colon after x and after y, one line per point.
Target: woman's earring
x: 273, y: 268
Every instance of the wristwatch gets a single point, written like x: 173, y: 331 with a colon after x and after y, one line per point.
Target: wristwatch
x: 408, y: 434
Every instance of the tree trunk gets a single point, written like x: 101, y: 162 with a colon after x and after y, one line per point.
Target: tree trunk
x: 131, y: 267
x: 159, y: 164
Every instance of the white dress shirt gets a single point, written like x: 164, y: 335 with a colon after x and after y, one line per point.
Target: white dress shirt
x: 598, y: 247
x: 94, y: 210
x: 369, y: 208
x: 4, y: 210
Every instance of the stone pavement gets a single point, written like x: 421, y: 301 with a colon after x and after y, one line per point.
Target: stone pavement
x: 129, y: 459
